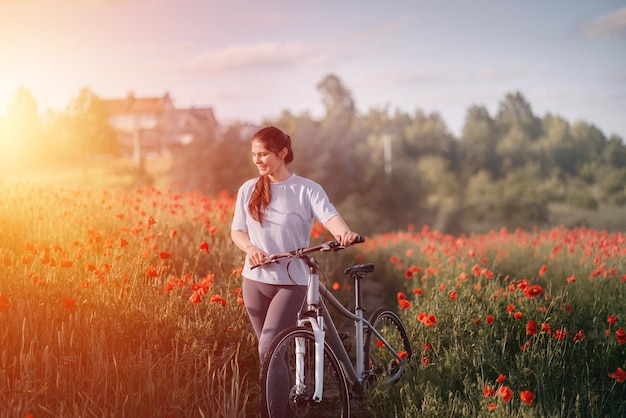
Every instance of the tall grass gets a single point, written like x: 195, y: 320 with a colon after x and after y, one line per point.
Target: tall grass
x: 97, y: 319
x: 127, y: 303
x: 483, y: 293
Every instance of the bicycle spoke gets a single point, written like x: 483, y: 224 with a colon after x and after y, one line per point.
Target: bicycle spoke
x: 379, y: 360
x: 287, y: 387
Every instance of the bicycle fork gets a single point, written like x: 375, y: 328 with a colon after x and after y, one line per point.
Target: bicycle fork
x: 317, y: 325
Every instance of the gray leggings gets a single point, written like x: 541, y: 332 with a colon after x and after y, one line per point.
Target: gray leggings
x: 271, y: 308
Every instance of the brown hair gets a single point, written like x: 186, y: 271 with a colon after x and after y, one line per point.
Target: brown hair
x: 274, y: 140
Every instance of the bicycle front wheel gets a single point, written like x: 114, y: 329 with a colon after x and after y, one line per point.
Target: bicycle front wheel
x: 379, y: 360
x: 288, y: 379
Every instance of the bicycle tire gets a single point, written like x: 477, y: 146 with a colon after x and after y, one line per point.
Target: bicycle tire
x: 379, y: 361
x: 278, y: 390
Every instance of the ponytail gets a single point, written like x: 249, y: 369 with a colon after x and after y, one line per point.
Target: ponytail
x: 260, y: 198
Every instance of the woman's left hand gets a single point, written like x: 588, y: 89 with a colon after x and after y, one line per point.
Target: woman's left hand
x: 347, y: 238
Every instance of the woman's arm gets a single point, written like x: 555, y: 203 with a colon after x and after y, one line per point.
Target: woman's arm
x: 242, y: 241
x: 338, y: 227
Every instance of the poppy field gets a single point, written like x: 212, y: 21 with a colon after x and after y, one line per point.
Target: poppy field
x: 128, y: 303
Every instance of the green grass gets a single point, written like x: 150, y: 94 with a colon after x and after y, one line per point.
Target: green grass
x: 95, y: 293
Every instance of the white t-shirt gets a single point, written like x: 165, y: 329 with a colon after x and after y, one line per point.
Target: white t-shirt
x: 294, y: 206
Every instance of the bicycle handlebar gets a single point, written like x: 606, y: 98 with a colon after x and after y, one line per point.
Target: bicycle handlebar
x: 301, y: 252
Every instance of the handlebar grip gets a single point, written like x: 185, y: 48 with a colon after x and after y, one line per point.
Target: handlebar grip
x: 359, y: 239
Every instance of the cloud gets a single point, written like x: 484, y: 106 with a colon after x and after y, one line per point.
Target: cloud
x: 609, y: 26
x: 265, y: 19
x: 407, y: 76
x: 497, y: 74
x: 254, y: 57
x: 617, y: 76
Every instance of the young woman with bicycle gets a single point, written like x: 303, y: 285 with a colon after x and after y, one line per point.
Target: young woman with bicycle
x: 274, y: 213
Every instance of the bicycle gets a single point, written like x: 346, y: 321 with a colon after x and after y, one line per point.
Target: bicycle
x: 307, y: 370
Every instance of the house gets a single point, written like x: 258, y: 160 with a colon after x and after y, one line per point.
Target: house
x: 152, y: 126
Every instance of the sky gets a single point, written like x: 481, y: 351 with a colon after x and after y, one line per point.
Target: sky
x: 251, y: 60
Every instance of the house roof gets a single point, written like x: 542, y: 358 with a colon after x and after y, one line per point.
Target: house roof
x: 132, y: 104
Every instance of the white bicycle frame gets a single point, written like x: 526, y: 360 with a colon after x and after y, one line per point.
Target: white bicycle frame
x: 317, y: 325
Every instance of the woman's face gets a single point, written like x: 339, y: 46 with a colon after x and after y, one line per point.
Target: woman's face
x: 266, y: 161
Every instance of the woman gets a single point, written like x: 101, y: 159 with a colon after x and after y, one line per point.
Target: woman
x: 275, y: 213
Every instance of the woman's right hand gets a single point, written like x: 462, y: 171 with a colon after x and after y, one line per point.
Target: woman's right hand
x: 255, y: 256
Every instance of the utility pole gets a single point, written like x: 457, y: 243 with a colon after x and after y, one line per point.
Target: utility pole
x: 387, y: 153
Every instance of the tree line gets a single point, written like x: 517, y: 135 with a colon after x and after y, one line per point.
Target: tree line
x: 387, y: 169
x: 384, y: 168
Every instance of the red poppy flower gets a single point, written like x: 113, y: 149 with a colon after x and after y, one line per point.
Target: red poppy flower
x: 164, y: 255
x: 489, y: 319
x: 403, y: 354
x: 505, y: 393
x: 533, y: 291
x: 430, y: 320
x: 204, y: 246
x: 620, y: 335
x: 66, y: 264
x: 492, y: 406
x: 401, y: 296
x: 560, y: 334
x: 619, y: 375
x: 394, y: 259
x: 517, y: 315
x: 151, y: 271
x: 531, y: 328
x: 579, y: 336
x: 542, y: 270
x: 4, y: 303
x: 510, y: 308
x: 195, y: 298
x: 488, y: 391
x: 611, y: 320
x: 150, y: 221
x: 218, y: 299
x: 526, y: 396
x: 404, y: 304
x: 452, y: 295
x: 418, y: 291
x: 571, y: 279
x: 546, y: 328
x: 501, y: 378
x: 69, y: 304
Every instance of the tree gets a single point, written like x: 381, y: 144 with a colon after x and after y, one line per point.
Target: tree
x: 515, y: 111
x: 213, y: 165
x: 91, y: 132
x: 334, y: 143
x: 22, y: 130
x: 428, y: 135
x: 559, y: 149
x: 337, y: 100
x: 478, y: 143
